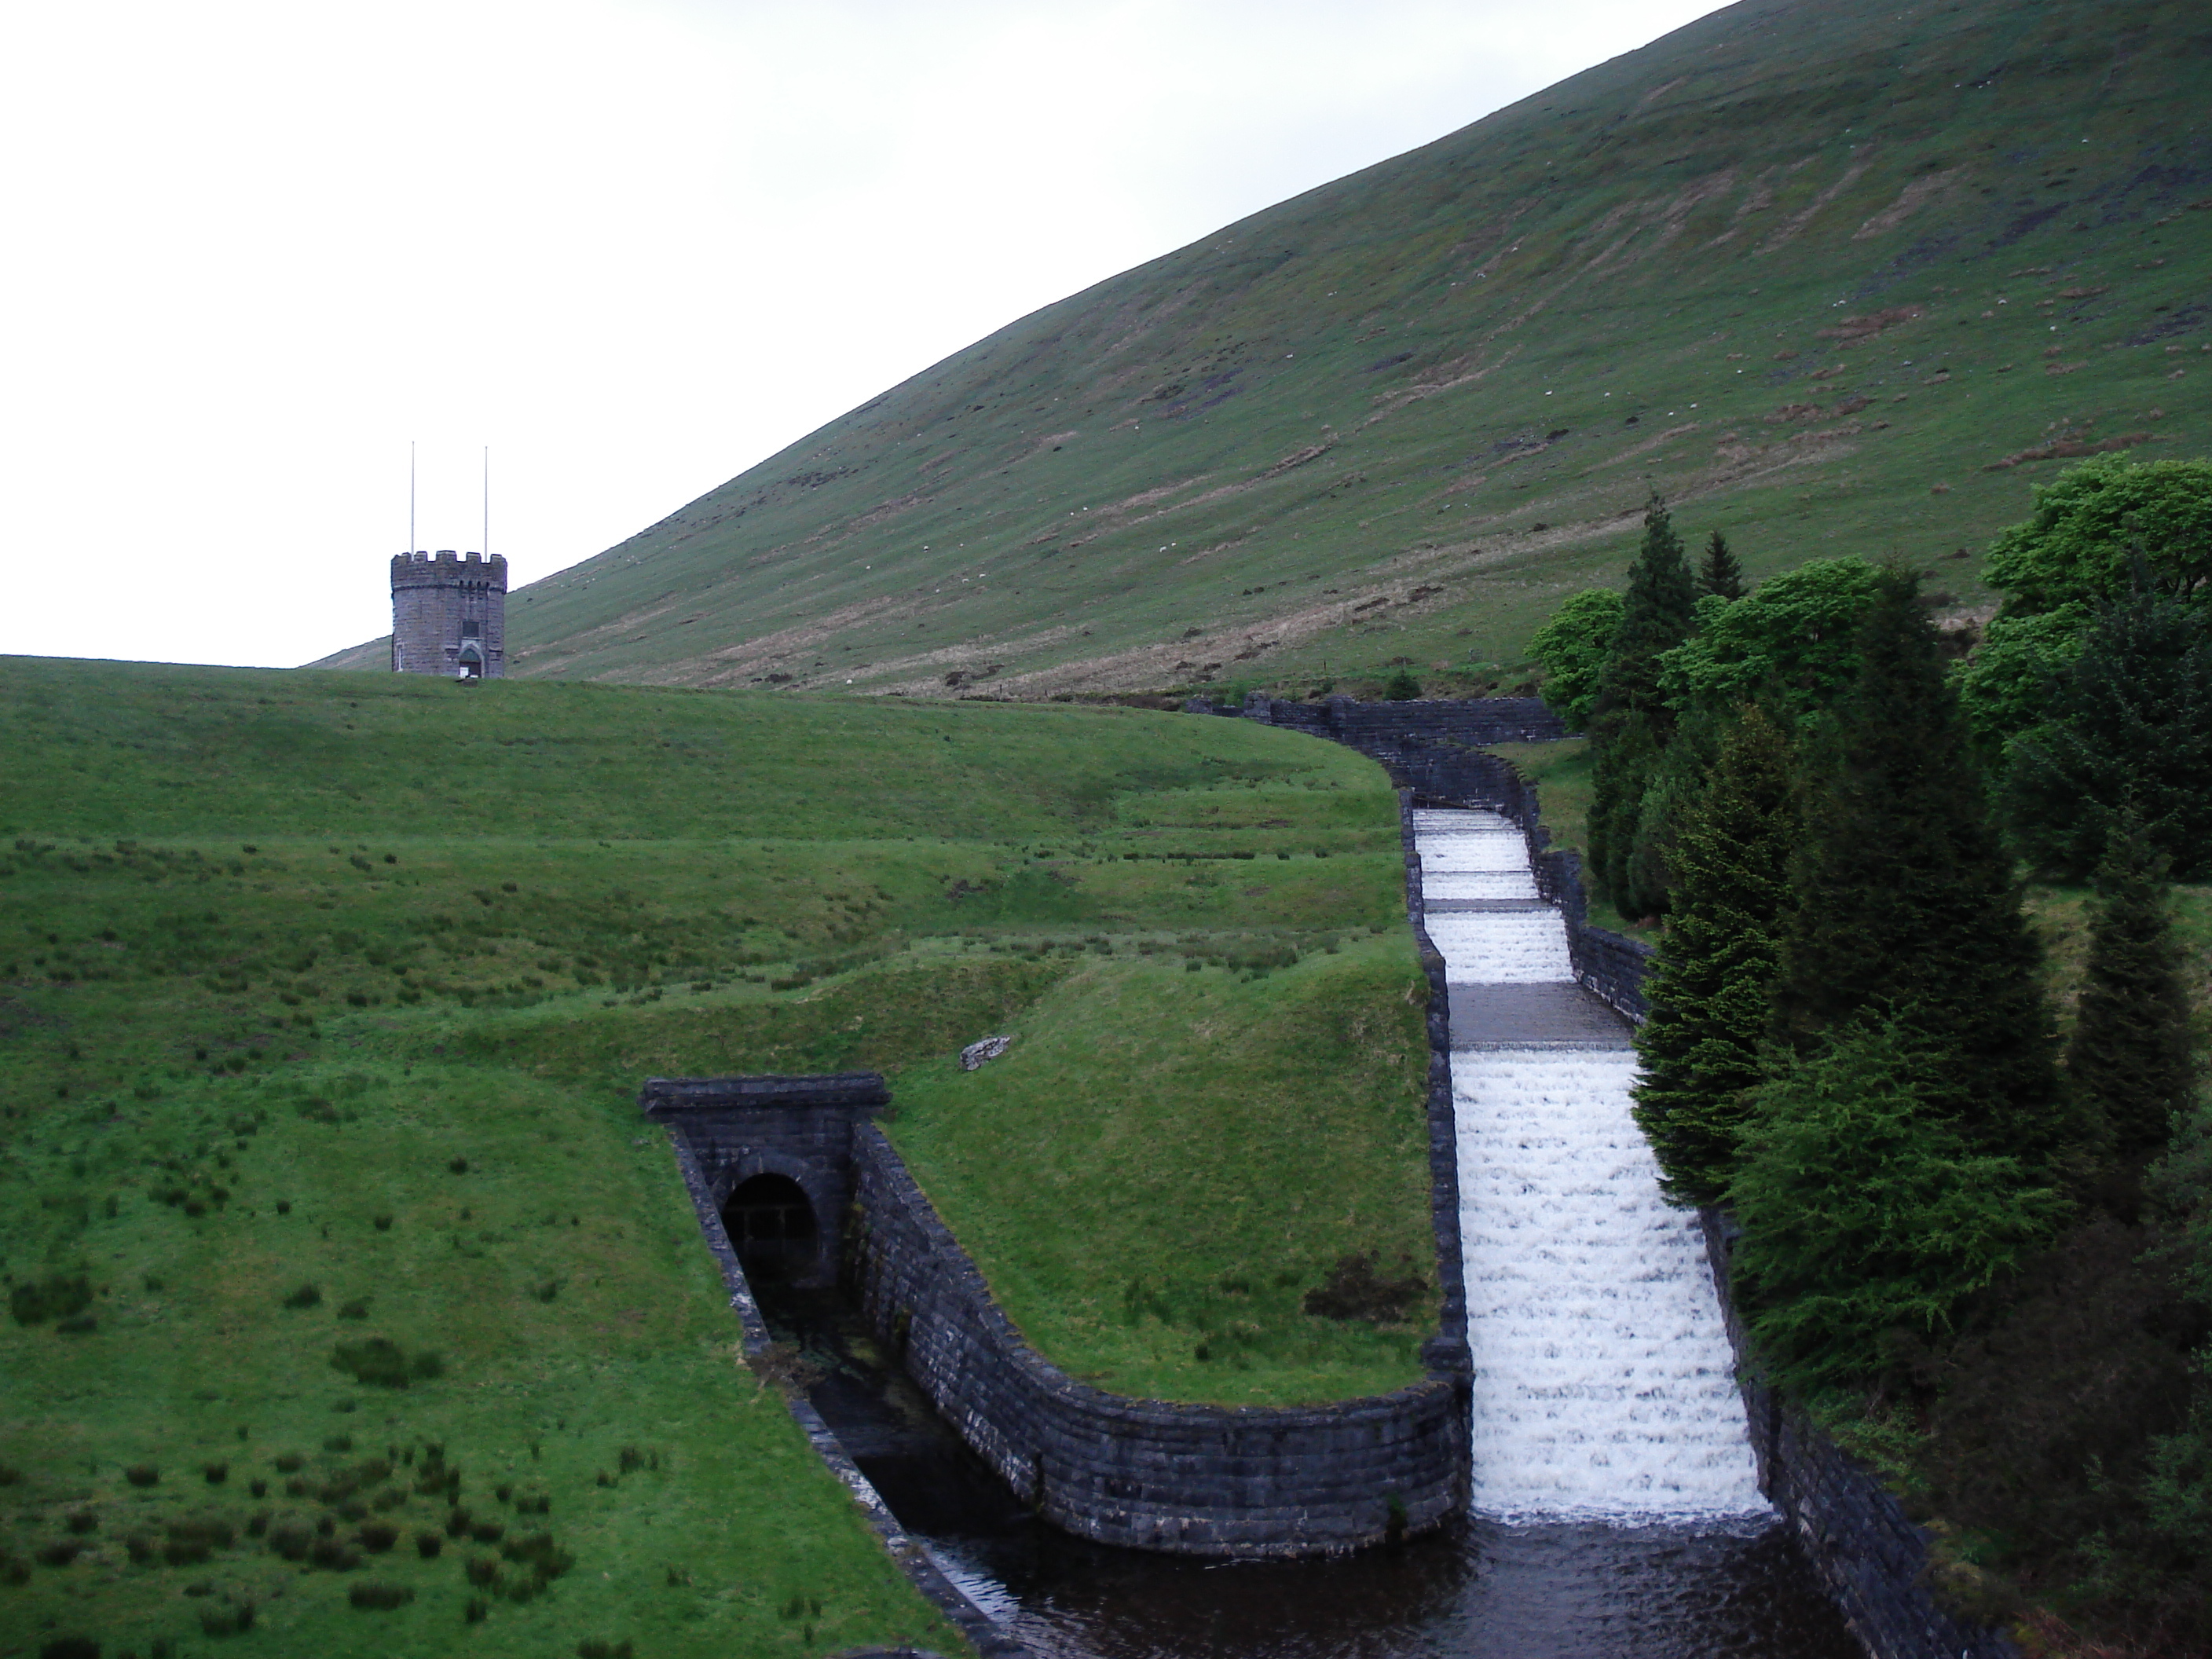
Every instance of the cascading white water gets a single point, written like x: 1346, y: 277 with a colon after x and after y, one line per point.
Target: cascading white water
x: 1602, y: 1387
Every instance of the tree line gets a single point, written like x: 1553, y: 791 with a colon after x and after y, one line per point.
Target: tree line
x: 1831, y: 806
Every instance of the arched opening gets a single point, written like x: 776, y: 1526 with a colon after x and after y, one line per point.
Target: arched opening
x: 771, y: 1226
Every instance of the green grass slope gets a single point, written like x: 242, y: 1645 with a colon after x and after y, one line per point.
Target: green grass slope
x: 323, y: 1005
x: 1835, y: 276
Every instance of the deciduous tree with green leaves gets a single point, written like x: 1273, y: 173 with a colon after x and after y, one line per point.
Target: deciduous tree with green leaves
x: 1572, y: 648
x: 1795, y: 642
x: 2078, y: 551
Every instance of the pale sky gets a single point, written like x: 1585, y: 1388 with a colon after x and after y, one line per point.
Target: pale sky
x: 632, y: 246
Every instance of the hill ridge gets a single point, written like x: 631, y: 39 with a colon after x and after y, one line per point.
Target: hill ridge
x: 1774, y: 264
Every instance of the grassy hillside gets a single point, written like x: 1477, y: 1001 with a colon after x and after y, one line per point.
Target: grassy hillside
x: 326, y: 1208
x: 1835, y: 276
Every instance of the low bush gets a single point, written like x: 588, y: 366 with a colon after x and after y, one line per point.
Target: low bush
x: 60, y: 1296
x: 1356, y: 1290
x: 381, y: 1362
x: 373, y: 1595
x: 227, y: 1619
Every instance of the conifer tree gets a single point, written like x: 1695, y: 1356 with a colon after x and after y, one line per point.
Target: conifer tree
x: 1719, y: 572
x: 1631, y: 725
x: 2131, y: 728
x: 2129, y: 1057
x: 1656, y: 617
x: 1711, y: 986
x: 1907, y: 909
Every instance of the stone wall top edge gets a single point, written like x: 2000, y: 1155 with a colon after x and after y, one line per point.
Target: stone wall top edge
x: 1049, y: 1380
x: 659, y: 1096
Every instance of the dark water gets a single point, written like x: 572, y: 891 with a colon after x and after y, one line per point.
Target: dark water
x: 1482, y: 1590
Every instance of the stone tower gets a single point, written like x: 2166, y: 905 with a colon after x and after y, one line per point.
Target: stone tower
x: 449, y: 615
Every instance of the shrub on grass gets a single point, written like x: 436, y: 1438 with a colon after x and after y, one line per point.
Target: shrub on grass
x: 356, y: 1309
x: 190, y: 1542
x: 381, y: 1362
x: 69, y: 1647
x: 428, y: 1544
x: 84, y: 1521
x: 214, y: 1474
x: 474, y: 1613
x: 332, y: 1556
x: 289, y: 1463
x: 60, y: 1553
x: 1356, y: 1292
x: 538, y: 1551
x: 377, y: 1538
x: 229, y: 1619
x: 60, y: 1296
x: 292, y: 1540
x: 307, y: 1296
x: 374, y: 1597
x: 604, y: 1650
x: 143, y: 1474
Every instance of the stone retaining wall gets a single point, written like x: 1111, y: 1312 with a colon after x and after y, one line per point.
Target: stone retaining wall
x: 1148, y: 1474
x: 1868, y: 1551
x: 906, y: 1553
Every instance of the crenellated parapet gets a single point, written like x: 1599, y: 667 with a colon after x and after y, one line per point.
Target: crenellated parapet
x: 449, y: 615
x: 447, y: 568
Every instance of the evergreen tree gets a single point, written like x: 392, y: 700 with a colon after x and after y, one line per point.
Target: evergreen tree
x: 1719, y: 572
x: 1632, y: 724
x: 2131, y: 729
x: 1710, y: 987
x: 1907, y: 909
x: 2129, y: 1058
x: 1866, y: 1210
x: 1401, y: 687
x: 1656, y: 617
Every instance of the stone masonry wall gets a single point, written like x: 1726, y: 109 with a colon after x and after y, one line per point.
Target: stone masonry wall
x: 431, y: 599
x: 1872, y: 1557
x: 1148, y: 1474
x: 800, y: 1128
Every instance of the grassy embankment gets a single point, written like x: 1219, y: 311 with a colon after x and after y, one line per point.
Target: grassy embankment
x: 346, y: 983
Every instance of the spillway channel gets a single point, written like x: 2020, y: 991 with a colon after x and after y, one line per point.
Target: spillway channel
x: 1616, y: 1513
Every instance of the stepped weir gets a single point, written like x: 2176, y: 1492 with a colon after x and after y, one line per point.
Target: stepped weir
x: 1602, y: 1384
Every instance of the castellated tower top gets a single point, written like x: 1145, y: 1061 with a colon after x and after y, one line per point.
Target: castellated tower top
x: 449, y: 615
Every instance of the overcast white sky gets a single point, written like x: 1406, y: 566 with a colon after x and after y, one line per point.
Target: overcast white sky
x: 634, y: 246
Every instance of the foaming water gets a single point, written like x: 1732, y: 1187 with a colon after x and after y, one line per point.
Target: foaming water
x: 1582, y: 1285
x: 1602, y: 1373
x: 1603, y: 1385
